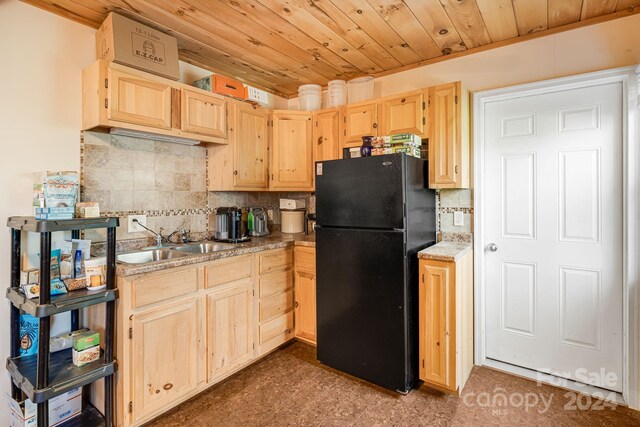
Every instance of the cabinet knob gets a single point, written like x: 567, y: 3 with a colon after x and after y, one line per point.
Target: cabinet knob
x: 235, y: 172
x: 167, y: 386
x: 403, y: 100
x: 375, y: 125
x: 295, y: 304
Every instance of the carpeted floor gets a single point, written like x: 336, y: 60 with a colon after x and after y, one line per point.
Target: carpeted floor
x: 291, y: 388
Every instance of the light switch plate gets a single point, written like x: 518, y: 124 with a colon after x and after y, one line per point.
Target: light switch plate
x: 458, y: 219
x: 133, y: 227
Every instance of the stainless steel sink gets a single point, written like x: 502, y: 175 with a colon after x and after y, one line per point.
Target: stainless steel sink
x: 204, y: 248
x: 143, y: 257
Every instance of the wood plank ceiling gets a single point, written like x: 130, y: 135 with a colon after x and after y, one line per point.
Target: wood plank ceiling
x: 278, y: 45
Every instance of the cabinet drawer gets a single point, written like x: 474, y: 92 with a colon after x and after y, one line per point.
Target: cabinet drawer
x: 305, y: 259
x: 228, y: 270
x: 275, y: 283
x: 276, y: 331
x: 275, y: 305
x: 163, y: 285
x: 279, y: 259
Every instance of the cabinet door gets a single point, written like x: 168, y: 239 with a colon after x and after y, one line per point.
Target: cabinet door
x: 437, y: 324
x: 133, y: 99
x: 251, y: 142
x: 229, y: 329
x: 360, y: 120
x: 292, y: 151
x: 305, y: 306
x: 403, y: 114
x: 203, y: 113
x: 326, y: 135
x: 445, y: 140
x: 166, y: 351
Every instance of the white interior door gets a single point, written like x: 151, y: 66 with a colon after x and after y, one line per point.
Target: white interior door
x: 553, y: 209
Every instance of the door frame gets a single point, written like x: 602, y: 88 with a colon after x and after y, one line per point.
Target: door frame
x: 629, y: 77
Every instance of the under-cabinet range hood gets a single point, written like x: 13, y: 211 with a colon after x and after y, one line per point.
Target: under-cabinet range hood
x: 153, y: 136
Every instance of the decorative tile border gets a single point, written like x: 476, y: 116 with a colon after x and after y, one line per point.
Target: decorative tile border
x: 452, y: 210
x: 162, y: 212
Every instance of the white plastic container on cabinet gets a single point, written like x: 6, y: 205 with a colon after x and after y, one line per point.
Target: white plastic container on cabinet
x: 360, y: 89
x: 309, y: 97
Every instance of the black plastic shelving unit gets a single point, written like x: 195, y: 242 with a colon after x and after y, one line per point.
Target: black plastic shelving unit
x: 45, y: 375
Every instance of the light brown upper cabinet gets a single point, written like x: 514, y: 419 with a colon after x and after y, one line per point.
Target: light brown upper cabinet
x: 203, y: 113
x: 243, y: 163
x: 404, y: 114
x: 133, y: 99
x: 326, y: 134
x: 448, y: 136
x: 292, y: 151
x: 360, y: 120
x: 250, y: 146
x: 116, y: 96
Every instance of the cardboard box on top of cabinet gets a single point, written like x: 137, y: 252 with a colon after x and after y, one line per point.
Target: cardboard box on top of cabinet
x: 128, y: 42
x: 61, y: 408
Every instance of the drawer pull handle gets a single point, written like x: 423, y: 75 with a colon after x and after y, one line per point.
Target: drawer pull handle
x: 168, y: 386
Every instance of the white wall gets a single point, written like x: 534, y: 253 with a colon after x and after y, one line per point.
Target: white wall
x: 40, y: 118
x: 597, y: 47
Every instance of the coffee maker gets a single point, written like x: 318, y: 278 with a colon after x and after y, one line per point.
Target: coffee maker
x: 231, y: 225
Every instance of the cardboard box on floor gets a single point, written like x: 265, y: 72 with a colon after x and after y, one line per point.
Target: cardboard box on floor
x: 128, y: 42
x: 61, y: 408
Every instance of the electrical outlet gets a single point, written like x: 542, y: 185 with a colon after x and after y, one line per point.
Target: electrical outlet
x: 458, y: 219
x: 133, y: 227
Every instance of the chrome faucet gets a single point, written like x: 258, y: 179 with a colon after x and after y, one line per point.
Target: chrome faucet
x: 159, y: 237
x: 184, y: 235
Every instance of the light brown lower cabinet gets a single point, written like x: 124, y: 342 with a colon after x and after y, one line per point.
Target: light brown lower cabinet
x: 229, y: 329
x: 184, y: 329
x: 446, y: 323
x: 165, y: 355
x: 305, y: 294
x: 275, y: 311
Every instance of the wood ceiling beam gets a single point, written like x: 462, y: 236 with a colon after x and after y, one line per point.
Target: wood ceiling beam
x: 468, y: 21
x: 272, y: 21
x: 531, y: 15
x: 331, y: 16
x: 368, y: 19
x: 437, y: 23
x: 499, y: 18
x: 592, y: 8
x: 399, y: 17
x: 238, y: 26
x: 562, y: 12
x: 298, y: 17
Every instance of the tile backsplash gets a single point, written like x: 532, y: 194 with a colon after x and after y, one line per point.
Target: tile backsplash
x: 167, y: 182
x: 454, y: 200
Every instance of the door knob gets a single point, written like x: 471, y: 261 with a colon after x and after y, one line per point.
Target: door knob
x: 492, y: 247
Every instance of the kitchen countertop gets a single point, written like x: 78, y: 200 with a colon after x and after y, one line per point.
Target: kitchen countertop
x: 256, y: 244
x: 445, y: 251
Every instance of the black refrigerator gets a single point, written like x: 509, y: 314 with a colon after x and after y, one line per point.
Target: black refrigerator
x: 373, y: 214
